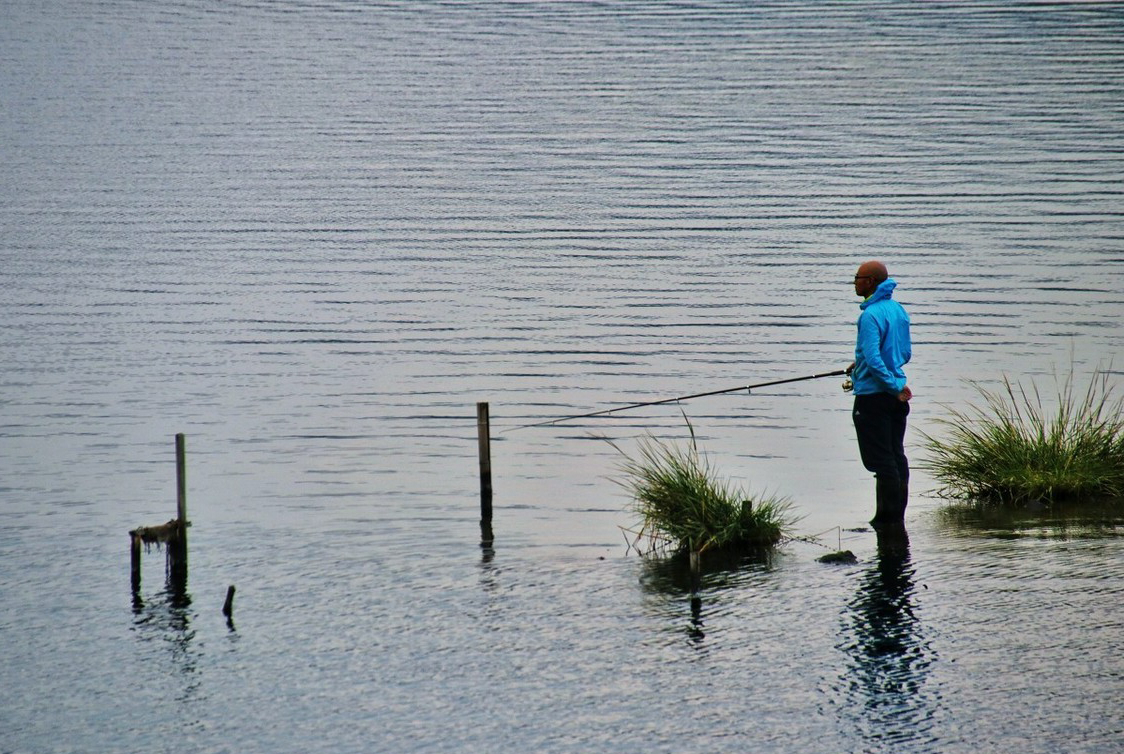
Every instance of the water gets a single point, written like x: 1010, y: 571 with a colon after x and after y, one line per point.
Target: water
x: 311, y: 236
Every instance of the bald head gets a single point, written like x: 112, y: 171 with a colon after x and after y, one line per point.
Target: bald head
x: 869, y: 276
x: 874, y: 270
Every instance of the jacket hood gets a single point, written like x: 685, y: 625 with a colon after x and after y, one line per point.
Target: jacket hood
x: 884, y: 290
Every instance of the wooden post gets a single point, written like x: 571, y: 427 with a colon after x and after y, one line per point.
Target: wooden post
x: 228, y: 606
x: 135, y: 549
x: 484, y: 436
x: 181, y: 478
x: 177, y: 548
x: 172, y: 535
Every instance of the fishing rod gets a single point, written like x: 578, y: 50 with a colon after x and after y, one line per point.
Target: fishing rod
x: 747, y: 388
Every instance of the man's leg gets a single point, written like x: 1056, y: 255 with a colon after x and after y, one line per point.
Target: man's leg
x: 899, y: 455
x: 876, y: 429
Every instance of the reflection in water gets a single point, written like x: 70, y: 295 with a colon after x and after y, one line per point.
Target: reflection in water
x: 889, y: 657
x: 167, y: 619
x: 672, y: 580
x: 695, y: 629
x: 1096, y: 518
x: 550, y: 206
x: 672, y: 577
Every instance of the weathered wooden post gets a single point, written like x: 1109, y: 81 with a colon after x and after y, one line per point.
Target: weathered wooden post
x: 484, y: 436
x: 181, y: 477
x: 177, y: 547
x: 172, y: 535
x: 228, y: 606
x: 135, y: 552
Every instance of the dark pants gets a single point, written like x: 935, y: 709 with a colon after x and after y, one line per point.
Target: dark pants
x: 880, y: 426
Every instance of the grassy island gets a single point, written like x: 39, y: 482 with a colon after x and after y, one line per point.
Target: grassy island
x: 683, y: 507
x: 1011, y: 450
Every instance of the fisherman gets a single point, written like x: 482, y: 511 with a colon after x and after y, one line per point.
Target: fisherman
x: 881, y: 393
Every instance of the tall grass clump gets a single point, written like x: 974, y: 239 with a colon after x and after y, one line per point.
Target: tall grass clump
x: 1012, y: 450
x: 682, y: 506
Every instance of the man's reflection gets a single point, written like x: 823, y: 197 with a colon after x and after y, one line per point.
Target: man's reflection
x: 889, y: 655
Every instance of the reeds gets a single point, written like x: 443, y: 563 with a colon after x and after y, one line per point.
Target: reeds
x: 683, y: 507
x: 1011, y: 450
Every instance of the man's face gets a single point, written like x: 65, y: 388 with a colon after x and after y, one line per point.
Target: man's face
x: 864, y: 284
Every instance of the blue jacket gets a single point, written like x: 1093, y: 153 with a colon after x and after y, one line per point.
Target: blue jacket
x: 883, y: 345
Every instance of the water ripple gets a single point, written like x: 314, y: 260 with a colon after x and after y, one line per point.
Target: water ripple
x: 313, y: 234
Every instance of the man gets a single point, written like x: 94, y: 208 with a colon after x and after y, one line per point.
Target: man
x: 881, y: 394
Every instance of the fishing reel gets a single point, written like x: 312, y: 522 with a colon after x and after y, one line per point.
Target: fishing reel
x: 848, y: 386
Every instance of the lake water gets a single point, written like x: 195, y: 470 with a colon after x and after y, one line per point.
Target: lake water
x: 313, y: 235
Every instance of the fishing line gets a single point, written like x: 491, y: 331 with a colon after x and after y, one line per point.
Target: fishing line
x: 747, y: 388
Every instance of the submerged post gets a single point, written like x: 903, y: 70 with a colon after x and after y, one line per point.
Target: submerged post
x: 135, y: 551
x: 484, y: 436
x: 228, y: 606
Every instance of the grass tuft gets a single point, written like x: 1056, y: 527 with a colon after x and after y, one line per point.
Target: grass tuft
x: 682, y: 506
x: 1013, y: 451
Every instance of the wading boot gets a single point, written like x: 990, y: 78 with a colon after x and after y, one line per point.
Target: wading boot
x: 888, y: 506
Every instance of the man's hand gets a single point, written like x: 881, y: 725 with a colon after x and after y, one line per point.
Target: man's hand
x: 905, y: 394
x: 850, y: 369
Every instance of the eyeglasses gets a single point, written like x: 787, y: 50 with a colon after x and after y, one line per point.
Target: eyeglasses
x: 863, y: 277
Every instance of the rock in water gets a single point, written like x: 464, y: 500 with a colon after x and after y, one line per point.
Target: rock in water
x: 843, y: 556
